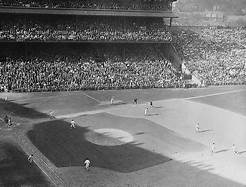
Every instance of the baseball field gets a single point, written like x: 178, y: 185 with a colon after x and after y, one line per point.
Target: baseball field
x: 125, y: 146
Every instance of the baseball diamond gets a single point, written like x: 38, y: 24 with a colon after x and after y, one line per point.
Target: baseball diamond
x: 122, y: 93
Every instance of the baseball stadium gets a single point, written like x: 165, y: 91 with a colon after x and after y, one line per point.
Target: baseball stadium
x: 114, y: 82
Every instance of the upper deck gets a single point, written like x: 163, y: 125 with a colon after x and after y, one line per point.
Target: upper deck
x: 88, y: 12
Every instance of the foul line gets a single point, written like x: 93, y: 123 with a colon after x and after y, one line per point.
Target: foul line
x: 38, y: 160
x: 210, y: 95
x: 91, y: 97
x: 54, y: 96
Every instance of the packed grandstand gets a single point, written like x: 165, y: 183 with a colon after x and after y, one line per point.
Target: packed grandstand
x: 91, y: 4
x: 86, y: 66
x: 216, y: 54
x: 64, y: 52
x: 63, y: 28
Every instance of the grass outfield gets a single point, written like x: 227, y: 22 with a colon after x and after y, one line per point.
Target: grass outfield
x: 15, y: 170
x: 161, y: 149
x: 235, y: 102
x: 71, y: 102
x: 67, y: 147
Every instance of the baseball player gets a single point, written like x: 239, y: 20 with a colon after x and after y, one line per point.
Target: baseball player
x: 197, y: 127
x: 51, y: 113
x: 234, y: 149
x: 146, y: 111
x: 87, y: 164
x: 112, y: 100
x: 213, y: 148
x: 72, y: 124
x: 151, y: 104
x: 30, y: 158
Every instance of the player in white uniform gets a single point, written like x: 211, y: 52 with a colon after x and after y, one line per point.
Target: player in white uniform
x: 213, y: 148
x: 72, y: 124
x: 146, y: 111
x: 30, y: 158
x: 87, y: 164
x: 197, y: 127
x: 234, y: 149
x: 51, y: 113
x: 112, y: 100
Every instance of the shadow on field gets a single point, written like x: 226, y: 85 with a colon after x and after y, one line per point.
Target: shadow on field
x: 139, y: 133
x: 206, y: 130
x: 15, y: 170
x: 68, y: 147
x: 241, y: 152
x: 20, y: 110
x: 222, y: 150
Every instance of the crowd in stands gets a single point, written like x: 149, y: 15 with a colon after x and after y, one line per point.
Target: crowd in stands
x: 81, y: 68
x: 49, y: 28
x: 216, y: 54
x: 91, y: 4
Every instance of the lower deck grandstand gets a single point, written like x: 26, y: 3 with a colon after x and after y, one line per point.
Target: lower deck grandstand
x: 56, y: 67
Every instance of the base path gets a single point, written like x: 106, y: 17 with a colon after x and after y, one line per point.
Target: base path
x: 217, y: 125
x: 40, y: 160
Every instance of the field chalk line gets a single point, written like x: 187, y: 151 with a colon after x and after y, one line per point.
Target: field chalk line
x: 221, y: 93
x: 91, y: 97
x: 50, y: 97
x: 39, y: 161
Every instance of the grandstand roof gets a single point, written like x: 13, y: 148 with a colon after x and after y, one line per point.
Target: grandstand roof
x: 88, y: 12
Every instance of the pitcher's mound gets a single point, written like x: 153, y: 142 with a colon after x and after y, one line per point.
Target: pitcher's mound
x: 109, y: 137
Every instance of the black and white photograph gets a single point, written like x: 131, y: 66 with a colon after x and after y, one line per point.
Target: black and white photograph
x: 122, y: 93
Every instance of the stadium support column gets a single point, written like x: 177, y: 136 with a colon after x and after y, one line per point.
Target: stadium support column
x: 171, y: 19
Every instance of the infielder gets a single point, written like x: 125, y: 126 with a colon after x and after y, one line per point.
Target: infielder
x: 213, y: 148
x: 87, y: 164
x: 197, y: 127
x: 234, y: 149
x: 72, y: 124
x: 112, y: 100
x: 146, y: 111
x: 30, y: 158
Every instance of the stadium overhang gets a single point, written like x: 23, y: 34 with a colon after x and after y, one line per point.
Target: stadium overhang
x: 89, y: 12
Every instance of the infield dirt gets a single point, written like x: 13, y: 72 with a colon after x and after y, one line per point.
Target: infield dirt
x: 165, y: 149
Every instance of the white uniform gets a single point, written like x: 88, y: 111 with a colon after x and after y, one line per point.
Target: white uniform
x: 234, y: 149
x: 112, y: 100
x: 87, y: 164
x: 197, y: 127
x: 213, y: 148
x: 72, y: 124
x: 30, y: 158
x: 145, y: 111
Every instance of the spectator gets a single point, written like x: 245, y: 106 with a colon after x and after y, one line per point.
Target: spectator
x: 82, y: 29
x: 91, y: 4
x: 95, y: 67
x: 216, y: 54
